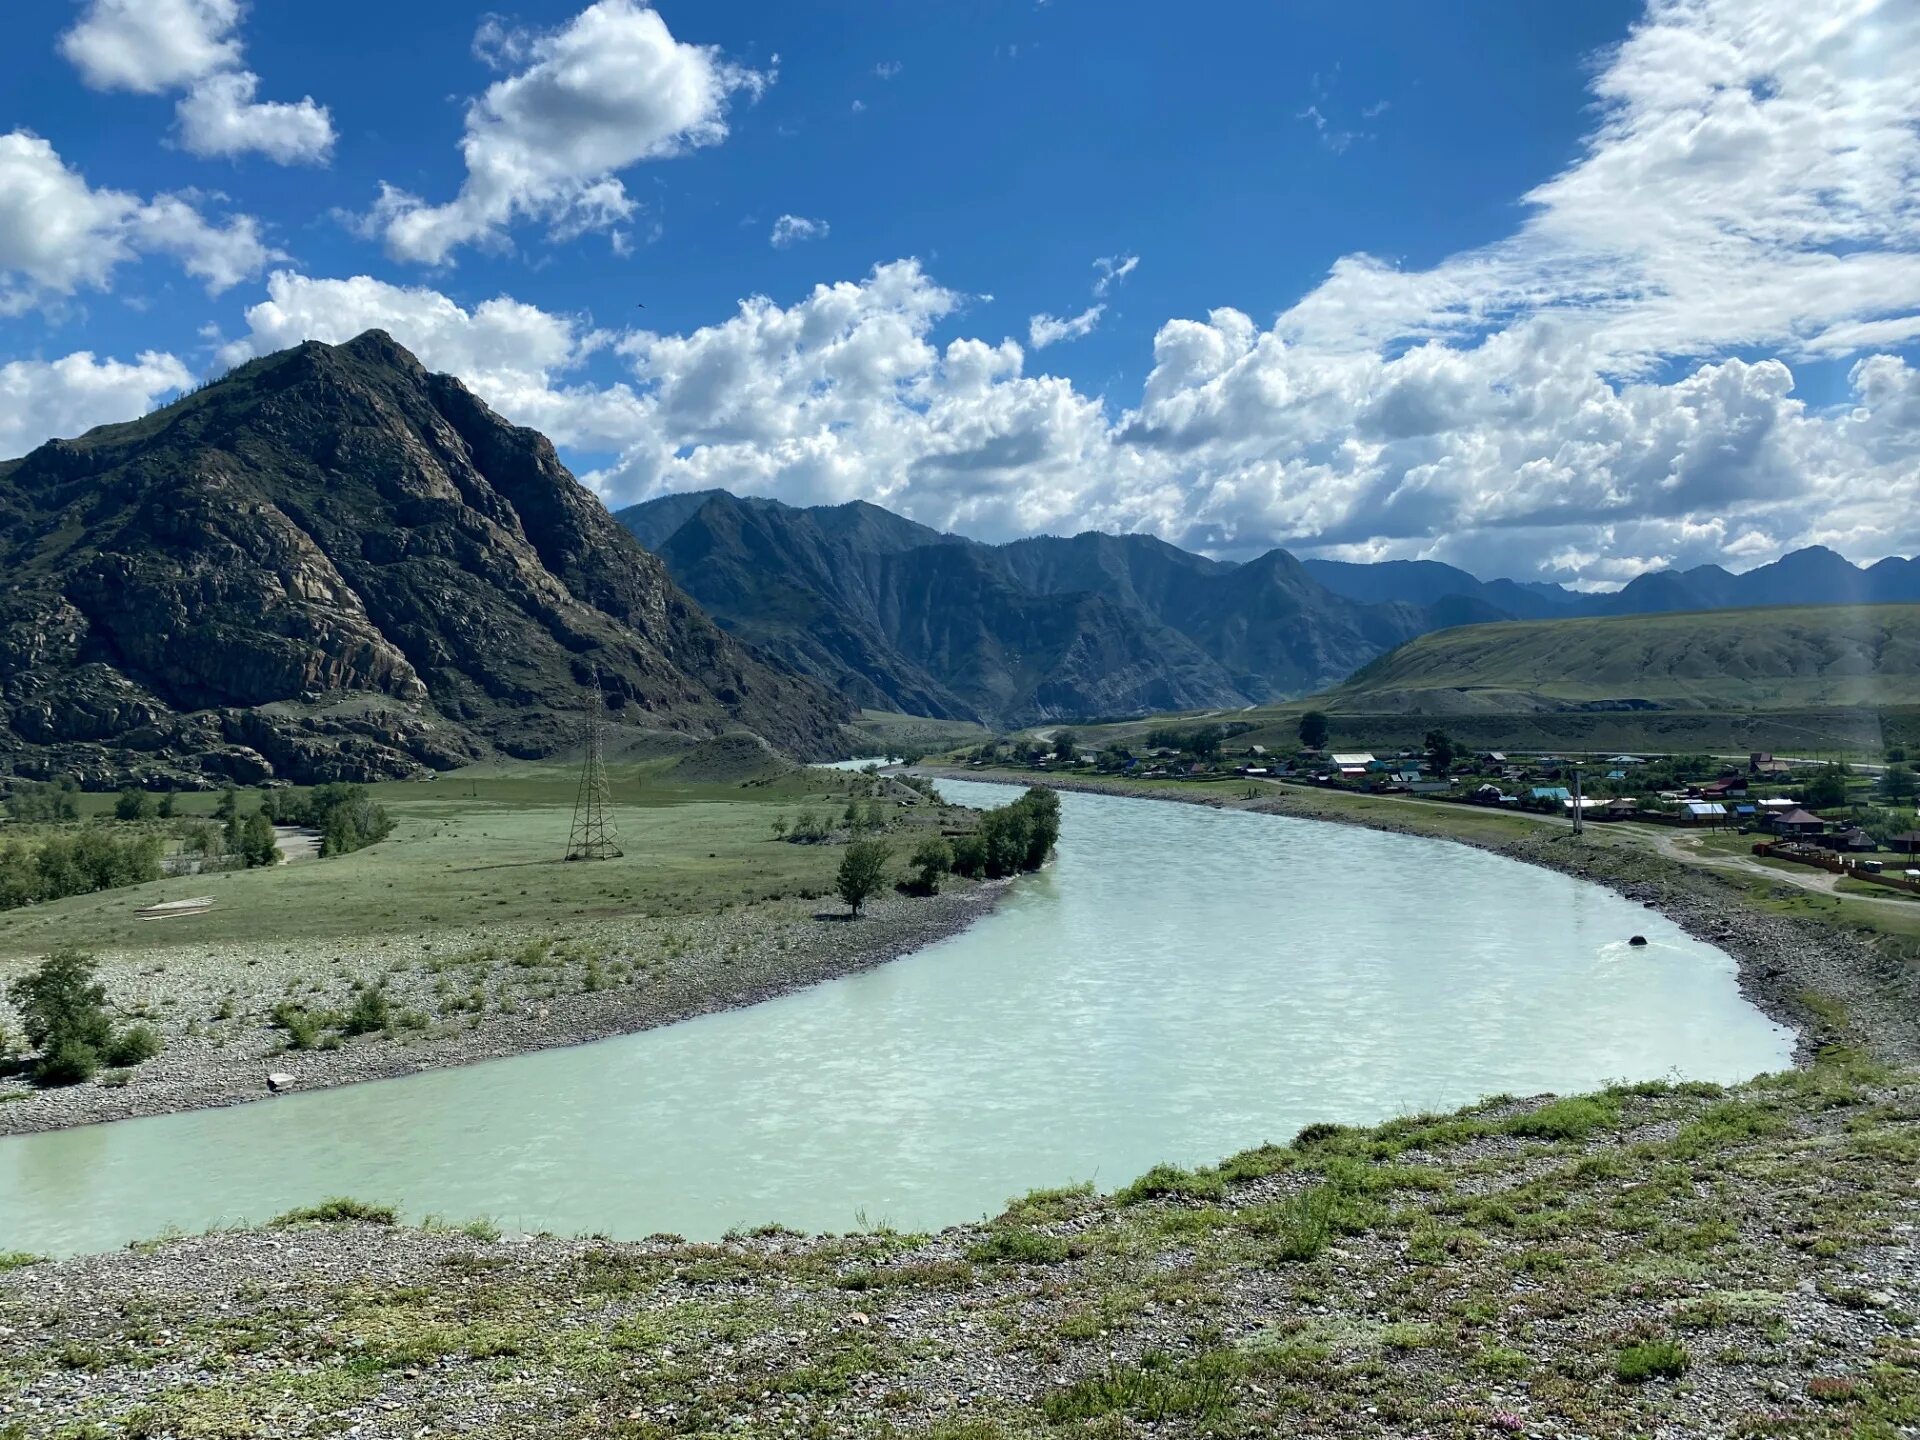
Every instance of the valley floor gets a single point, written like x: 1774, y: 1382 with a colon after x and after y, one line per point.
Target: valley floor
x: 480, y: 941
x: 1658, y: 1259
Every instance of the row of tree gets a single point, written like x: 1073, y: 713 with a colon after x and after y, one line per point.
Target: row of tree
x: 77, y: 864
x: 1018, y: 836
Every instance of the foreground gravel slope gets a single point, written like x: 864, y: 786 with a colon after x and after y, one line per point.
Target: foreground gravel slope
x: 1651, y: 1261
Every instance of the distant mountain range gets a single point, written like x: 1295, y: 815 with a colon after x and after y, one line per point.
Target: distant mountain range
x: 1784, y: 658
x: 897, y: 616
x: 332, y: 564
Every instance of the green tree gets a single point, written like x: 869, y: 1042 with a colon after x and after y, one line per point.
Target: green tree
x: 228, y: 805
x: 1063, y: 745
x: 133, y: 803
x: 780, y: 824
x: 63, y: 1010
x: 1897, y: 783
x: 1313, y: 729
x: 1827, y: 789
x: 863, y: 872
x: 1439, y: 751
x: 257, y: 845
x: 932, y: 859
x: 165, y: 808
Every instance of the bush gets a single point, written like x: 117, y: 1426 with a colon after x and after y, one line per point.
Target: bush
x: 1652, y: 1359
x: 133, y: 803
x: 64, y: 1012
x: 970, y: 857
x: 369, y: 1012
x: 66, y: 1062
x: 44, y: 804
x: 932, y: 859
x: 340, y: 1210
x: 64, y: 865
x: 257, y: 844
x: 863, y: 872
x: 135, y: 1045
x: 1026, y: 1247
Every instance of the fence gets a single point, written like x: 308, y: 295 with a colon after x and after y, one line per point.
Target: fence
x: 1833, y: 865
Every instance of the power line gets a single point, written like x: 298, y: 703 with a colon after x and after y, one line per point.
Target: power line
x: 592, y: 836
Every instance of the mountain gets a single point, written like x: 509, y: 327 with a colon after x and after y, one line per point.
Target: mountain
x: 1813, y: 576
x: 1428, y: 582
x: 332, y: 564
x: 901, y: 617
x: 1752, y: 659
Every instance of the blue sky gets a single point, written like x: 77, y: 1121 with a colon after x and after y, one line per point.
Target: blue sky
x: 1655, y: 359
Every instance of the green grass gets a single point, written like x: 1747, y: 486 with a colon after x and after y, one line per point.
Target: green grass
x: 1652, y: 1360
x: 478, y: 847
x: 340, y: 1210
x: 1788, y: 658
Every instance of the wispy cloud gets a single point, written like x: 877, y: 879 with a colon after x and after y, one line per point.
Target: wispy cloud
x: 1113, y: 269
x: 792, y: 229
x: 1045, y: 330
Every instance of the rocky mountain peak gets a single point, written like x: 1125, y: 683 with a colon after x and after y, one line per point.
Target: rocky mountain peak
x: 346, y: 566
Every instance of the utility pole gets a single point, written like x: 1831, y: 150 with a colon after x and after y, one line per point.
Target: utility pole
x: 592, y: 837
x: 1579, y: 814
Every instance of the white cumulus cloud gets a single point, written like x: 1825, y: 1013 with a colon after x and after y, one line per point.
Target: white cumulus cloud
x: 155, y: 46
x: 43, y: 398
x: 607, y: 90
x: 1616, y: 385
x: 59, y: 235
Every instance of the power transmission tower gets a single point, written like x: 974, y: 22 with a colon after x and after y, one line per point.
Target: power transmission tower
x: 592, y: 836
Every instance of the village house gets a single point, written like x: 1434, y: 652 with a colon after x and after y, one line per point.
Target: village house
x: 1703, y: 812
x: 1794, y: 822
x: 1761, y: 763
x: 1354, y: 763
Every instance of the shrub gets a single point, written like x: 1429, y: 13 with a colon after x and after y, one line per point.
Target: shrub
x: 863, y: 872
x: 368, y: 1013
x: 1652, y: 1359
x: 257, y: 844
x: 1571, y: 1119
x: 970, y: 857
x: 135, y: 1045
x: 932, y: 859
x: 133, y: 803
x: 340, y: 1210
x: 66, y: 1062
x: 1172, y: 1180
x: 63, y: 1010
x: 1026, y: 1247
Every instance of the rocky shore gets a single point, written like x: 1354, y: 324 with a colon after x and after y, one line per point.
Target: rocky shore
x: 460, y: 996
x: 1829, y: 983
x: 1655, y: 1260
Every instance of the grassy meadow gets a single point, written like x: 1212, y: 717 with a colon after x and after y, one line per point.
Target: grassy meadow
x: 478, y: 846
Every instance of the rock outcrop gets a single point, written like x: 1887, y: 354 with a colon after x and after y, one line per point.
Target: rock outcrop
x: 332, y: 564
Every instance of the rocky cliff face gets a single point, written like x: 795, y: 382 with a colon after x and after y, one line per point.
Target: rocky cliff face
x: 332, y: 564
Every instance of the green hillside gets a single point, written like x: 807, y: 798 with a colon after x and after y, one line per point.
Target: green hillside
x: 1754, y: 660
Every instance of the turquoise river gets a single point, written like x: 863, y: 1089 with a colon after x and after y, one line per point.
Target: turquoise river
x: 1183, y: 983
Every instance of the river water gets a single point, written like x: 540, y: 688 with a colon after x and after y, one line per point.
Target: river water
x: 1183, y: 983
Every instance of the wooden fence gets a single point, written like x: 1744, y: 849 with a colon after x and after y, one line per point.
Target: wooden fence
x: 1833, y: 865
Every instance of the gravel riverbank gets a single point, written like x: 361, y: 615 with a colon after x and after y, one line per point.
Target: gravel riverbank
x: 1655, y: 1261
x: 462, y: 995
x: 1828, y: 982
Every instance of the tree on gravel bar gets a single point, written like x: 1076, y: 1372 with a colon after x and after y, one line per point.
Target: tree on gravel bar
x: 64, y: 1012
x: 863, y: 872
